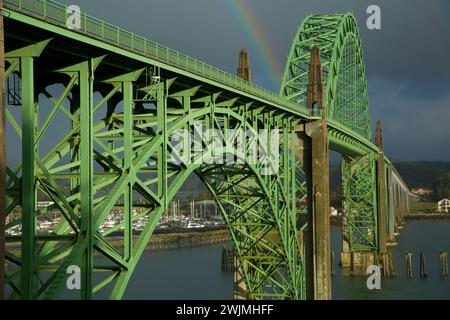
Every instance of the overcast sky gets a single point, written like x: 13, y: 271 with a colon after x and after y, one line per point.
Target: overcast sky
x: 407, y: 61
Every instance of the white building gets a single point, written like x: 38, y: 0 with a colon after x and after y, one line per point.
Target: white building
x: 444, y: 206
x: 333, y: 212
x: 44, y: 204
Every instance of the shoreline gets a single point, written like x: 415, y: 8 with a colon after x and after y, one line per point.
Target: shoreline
x: 167, y: 241
x: 427, y: 217
x: 164, y: 241
x: 337, y: 220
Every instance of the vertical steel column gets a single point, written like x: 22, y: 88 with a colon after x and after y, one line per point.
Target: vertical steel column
x: 240, y: 287
x: 127, y: 88
x: 28, y: 276
x: 2, y: 157
x: 75, y: 143
x: 86, y: 78
x: 161, y: 106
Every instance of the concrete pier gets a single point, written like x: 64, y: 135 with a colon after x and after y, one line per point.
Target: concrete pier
x: 239, y: 287
x: 357, y: 261
x: 381, y: 193
x: 244, y: 71
x: 315, y: 146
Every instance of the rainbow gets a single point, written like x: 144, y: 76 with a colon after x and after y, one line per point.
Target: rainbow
x: 254, y: 31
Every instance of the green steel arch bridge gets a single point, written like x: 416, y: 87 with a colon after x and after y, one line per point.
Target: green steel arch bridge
x: 105, y: 140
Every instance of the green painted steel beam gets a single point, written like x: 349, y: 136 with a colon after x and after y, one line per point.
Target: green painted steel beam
x: 28, y: 263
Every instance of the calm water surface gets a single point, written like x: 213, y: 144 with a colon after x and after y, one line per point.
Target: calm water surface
x: 195, y: 273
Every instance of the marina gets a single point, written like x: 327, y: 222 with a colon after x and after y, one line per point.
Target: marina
x: 190, y: 215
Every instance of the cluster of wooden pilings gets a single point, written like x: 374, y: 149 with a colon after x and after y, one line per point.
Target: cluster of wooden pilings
x: 443, y: 265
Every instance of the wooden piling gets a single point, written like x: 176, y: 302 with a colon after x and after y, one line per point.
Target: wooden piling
x: 391, y: 265
x: 388, y: 266
x: 333, y: 271
x: 409, y: 267
x: 443, y: 263
x: 423, y: 271
x: 352, y: 264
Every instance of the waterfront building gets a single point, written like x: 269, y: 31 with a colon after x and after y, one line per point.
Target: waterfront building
x: 444, y: 206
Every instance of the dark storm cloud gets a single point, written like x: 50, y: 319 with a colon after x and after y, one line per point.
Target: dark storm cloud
x: 414, y: 41
x: 413, y: 128
x: 407, y: 61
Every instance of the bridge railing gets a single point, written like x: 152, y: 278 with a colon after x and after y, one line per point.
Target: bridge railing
x: 56, y: 13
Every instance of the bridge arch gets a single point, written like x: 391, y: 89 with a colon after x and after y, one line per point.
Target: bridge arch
x: 134, y: 161
x: 345, y: 90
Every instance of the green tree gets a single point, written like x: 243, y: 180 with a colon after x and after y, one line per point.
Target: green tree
x: 442, y: 187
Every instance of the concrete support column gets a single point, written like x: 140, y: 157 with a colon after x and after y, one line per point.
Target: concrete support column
x: 391, y: 208
x: 381, y: 192
x: 316, y: 161
x: 319, y: 212
x: 240, y: 287
x: 244, y: 71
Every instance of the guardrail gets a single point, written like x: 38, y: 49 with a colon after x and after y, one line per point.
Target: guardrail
x: 56, y: 13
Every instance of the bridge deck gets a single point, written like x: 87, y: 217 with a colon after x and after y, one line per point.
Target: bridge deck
x: 53, y: 13
x: 51, y: 16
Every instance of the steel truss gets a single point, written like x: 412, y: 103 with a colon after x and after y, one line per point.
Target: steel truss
x: 346, y: 102
x: 119, y: 150
x: 360, y: 202
x: 337, y: 36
